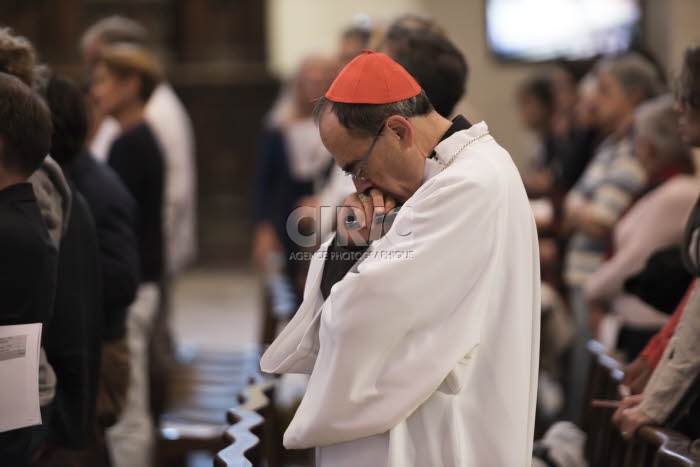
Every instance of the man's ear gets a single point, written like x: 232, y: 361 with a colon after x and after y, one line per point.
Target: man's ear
x: 401, y: 127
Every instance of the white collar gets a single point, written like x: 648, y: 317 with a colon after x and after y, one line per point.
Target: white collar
x: 445, y: 150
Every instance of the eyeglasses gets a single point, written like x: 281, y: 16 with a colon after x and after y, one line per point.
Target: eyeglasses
x: 357, y: 174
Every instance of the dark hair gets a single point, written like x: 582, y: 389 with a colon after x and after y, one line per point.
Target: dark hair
x: 576, y: 69
x: 69, y: 118
x: 434, y: 61
x: 689, y: 80
x: 369, y: 117
x: 25, y: 127
x: 541, y: 89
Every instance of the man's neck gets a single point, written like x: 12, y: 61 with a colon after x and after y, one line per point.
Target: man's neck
x: 429, y: 132
x: 130, y: 116
x: 8, y: 179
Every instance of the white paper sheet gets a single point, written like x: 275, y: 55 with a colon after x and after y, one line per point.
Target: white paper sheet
x: 19, y: 376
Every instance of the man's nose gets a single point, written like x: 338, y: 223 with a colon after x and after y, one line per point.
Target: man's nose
x: 362, y: 185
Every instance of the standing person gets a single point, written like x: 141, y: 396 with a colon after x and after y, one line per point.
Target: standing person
x: 172, y: 128
x: 610, y: 183
x: 28, y: 256
x: 425, y: 350
x: 171, y: 125
x: 421, y: 47
x: 114, y: 211
x: 71, y: 339
x: 535, y: 104
x: 292, y: 166
x: 430, y: 57
x: 123, y: 80
x: 679, y: 367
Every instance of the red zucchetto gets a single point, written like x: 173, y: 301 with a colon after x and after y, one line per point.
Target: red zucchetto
x: 372, y: 78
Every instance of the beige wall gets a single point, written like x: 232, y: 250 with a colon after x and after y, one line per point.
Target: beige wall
x: 298, y: 26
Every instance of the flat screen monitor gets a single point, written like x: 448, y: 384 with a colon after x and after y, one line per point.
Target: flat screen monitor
x: 545, y: 30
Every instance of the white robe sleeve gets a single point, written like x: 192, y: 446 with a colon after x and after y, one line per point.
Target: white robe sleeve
x: 393, y: 329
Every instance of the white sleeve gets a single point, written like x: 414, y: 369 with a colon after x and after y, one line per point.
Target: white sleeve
x: 384, y: 324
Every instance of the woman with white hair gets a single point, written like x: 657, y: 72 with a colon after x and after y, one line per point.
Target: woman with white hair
x: 655, y: 222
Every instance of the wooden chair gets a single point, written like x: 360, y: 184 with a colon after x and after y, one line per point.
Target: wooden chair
x: 200, y: 390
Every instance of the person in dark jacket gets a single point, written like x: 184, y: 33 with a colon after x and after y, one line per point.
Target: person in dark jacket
x: 74, y: 336
x: 70, y: 341
x: 113, y: 209
x: 28, y: 256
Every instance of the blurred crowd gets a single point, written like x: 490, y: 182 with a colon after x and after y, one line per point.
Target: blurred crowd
x: 93, y: 234
x: 613, y: 186
x: 97, y: 209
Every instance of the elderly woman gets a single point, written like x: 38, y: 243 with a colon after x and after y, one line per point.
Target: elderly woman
x: 666, y: 392
x: 656, y: 221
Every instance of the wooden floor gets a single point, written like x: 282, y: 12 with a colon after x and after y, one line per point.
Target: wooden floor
x: 216, y: 309
x: 215, y: 314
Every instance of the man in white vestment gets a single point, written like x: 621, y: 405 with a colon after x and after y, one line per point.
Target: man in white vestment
x: 421, y: 336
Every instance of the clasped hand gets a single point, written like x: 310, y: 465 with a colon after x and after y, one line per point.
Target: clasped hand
x: 362, y: 217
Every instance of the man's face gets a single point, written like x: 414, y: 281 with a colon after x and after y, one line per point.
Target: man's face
x: 393, y: 167
x: 91, y: 55
x: 612, y: 102
x: 109, y: 92
x: 565, y: 90
x: 533, y: 114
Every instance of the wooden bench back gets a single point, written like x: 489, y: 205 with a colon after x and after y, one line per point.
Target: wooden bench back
x: 652, y: 446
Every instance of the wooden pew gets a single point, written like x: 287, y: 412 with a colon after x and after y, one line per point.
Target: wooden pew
x: 200, y: 390
x: 249, y: 436
x: 652, y: 446
x: 604, y: 445
x: 655, y: 446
